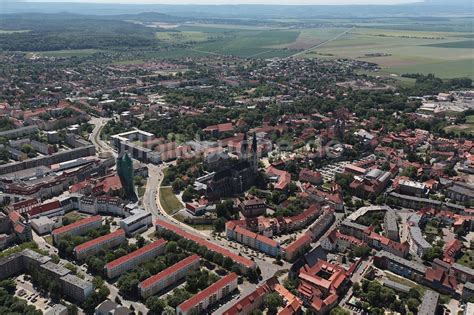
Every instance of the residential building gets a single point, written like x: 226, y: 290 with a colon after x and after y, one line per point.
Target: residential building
x: 256, y: 241
x: 252, y: 301
x: 243, y: 262
x: 209, y: 296
x: 94, y: 246
x: 461, y: 192
x: 76, y: 288
x: 251, y: 206
x: 133, y: 259
x: 312, y: 177
x: 400, y: 266
x: 467, y: 291
x: 169, y: 276
x: 77, y: 228
x: 462, y: 273
x: 321, y: 285
x: 111, y: 308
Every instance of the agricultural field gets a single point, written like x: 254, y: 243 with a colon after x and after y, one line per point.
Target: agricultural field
x: 398, y: 52
x: 182, y: 37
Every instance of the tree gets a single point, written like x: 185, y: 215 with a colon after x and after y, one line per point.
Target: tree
x: 188, y: 194
x: 413, y: 304
x: 339, y: 311
x: 140, y: 241
x: 272, y: 302
x: 171, y: 247
x: 72, y: 309
x: 219, y: 225
x: 155, y: 305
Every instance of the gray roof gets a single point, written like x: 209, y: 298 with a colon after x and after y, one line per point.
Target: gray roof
x: 417, y: 199
x: 402, y: 261
x: 469, y: 286
x: 463, y: 268
x: 354, y: 225
x: 76, y: 281
x: 35, y: 256
x: 396, y: 286
x: 429, y: 303
x: 390, y: 220
x: 462, y: 188
x: 56, y: 269
x: 417, y: 237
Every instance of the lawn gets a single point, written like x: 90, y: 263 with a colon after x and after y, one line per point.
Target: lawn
x: 467, y: 259
x: 49, y: 239
x: 72, y: 216
x: 168, y: 200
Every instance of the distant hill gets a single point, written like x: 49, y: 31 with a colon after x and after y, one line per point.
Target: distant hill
x: 169, y: 12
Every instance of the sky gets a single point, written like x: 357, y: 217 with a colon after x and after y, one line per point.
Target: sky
x: 293, y: 2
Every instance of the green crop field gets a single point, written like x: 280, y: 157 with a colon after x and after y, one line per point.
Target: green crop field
x: 458, y: 44
x: 66, y: 53
x: 251, y: 43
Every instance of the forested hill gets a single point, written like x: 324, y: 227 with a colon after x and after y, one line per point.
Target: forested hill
x: 40, y: 32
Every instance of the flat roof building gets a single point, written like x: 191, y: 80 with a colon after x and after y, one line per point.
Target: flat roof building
x: 429, y: 303
x: 76, y: 288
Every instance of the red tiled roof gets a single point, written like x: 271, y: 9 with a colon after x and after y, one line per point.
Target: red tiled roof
x: 188, y: 304
x: 169, y: 271
x: 211, y: 246
x: 134, y: 254
x: 112, y: 183
x: 24, y: 203
x: 99, y: 240
x: 298, y: 243
x: 76, y: 224
x: 45, y: 207
x: 243, y: 303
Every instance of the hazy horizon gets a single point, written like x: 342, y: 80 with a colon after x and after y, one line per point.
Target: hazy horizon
x: 237, y: 2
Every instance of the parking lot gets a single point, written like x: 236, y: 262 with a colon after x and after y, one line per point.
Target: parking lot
x: 26, y: 291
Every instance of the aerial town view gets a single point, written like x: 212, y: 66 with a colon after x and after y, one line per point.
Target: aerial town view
x: 236, y: 157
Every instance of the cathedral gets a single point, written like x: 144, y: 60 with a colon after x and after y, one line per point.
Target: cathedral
x: 236, y: 178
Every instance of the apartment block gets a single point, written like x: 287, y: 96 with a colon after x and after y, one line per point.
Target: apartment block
x: 251, y: 239
x: 130, y: 261
x: 76, y: 288
x: 105, y: 242
x: 169, y: 276
x: 243, y: 262
x: 209, y: 296
x: 77, y: 228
